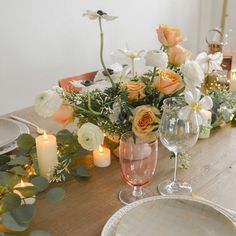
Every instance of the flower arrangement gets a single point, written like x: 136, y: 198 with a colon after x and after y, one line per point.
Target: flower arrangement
x: 118, y: 99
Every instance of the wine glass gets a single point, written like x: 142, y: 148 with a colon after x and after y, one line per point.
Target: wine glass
x: 138, y: 160
x: 178, y: 136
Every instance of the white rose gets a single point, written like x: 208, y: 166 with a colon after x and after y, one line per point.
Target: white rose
x: 193, y: 74
x: 90, y: 136
x: 156, y: 59
x: 47, y: 103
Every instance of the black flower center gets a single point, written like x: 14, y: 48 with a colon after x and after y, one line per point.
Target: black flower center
x: 87, y: 83
x: 110, y: 71
x: 101, y: 13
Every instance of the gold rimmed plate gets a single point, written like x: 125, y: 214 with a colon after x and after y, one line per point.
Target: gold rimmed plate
x: 9, y: 131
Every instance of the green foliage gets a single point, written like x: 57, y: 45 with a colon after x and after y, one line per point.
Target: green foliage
x: 9, y: 202
x: 25, y: 142
x: 19, y: 160
x: 56, y: 194
x: 18, y: 170
x: 27, y: 191
x: 81, y: 171
x: 8, y: 180
x: 40, y: 182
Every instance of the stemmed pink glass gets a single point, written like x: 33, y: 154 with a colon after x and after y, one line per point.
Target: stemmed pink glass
x: 138, y: 160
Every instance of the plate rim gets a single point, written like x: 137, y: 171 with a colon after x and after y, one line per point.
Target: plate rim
x: 113, y: 221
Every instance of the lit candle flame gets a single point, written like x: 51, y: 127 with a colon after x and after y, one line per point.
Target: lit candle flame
x: 45, y: 136
x: 100, y: 149
x: 22, y: 184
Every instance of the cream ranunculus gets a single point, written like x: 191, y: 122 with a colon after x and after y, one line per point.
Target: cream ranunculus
x: 193, y: 74
x: 178, y: 55
x: 156, y: 59
x: 47, y: 103
x: 144, y: 117
x: 90, y: 136
x: 135, y: 90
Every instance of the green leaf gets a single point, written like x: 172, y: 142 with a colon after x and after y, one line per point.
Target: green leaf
x: 39, y: 233
x: 19, y: 160
x: 4, y: 159
x: 25, y: 142
x: 4, y: 167
x: 64, y: 137
x: 9, y: 202
x: 82, y: 171
x: 40, y: 182
x: 8, y: 180
x: 112, y: 145
x: 2, y: 234
x: 12, y: 224
x: 27, y: 191
x: 56, y: 194
x: 35, y: 160
x: 18, y: 170
x: 23, y: 214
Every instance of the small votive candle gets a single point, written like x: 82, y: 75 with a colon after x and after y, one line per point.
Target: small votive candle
x: 29, y: 200
x: 102, y: 157
x: 46, y: 147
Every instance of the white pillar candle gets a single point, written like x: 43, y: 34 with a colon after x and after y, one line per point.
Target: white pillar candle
x: 233, y: 83
x: 46, y: 147
x: 102, y: 157
x: 206, y: 129
x: 30, y: 200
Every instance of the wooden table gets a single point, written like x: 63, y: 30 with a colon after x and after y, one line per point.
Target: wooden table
x: 90, y: 202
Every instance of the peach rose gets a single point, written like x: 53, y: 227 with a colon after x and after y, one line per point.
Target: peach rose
x: 168, y: 82
x: 64, y: 114
x: 169, y: 36
x: 144, y: 117
x: 178, y: 55
x: 135, y: 90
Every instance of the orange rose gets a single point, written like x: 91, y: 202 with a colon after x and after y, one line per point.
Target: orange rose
x: 144, y: 117
x: 64, y: 114
x: 135, y: 90
x: 178, y: 55
x: 168, y: 82
x: 169, y: 36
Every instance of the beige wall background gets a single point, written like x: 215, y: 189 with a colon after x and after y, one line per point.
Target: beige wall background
x: 43, y: 41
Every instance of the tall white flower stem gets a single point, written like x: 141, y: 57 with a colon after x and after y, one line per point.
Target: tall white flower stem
x: 132, y: 62
x: 90, y: 106
x: 101, y: 52
x: 153, y: 73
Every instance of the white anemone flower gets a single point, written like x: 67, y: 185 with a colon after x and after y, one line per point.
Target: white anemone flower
x: 132, y: 54
x: 195, y: 110
x: 193, y: 74
x: 156, y: 59
x: 47, y: 103
x: 93, y: 15
x: 210, y: 62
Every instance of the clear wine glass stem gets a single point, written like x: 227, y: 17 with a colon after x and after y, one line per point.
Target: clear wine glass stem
x: 137, y: 191
x: 176, y: 166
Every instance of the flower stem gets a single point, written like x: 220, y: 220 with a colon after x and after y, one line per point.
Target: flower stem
x: 90, y: 106
x: 101, y: 52
x: 153, y: 73
x: 132, y: 61
x: 176, y: 166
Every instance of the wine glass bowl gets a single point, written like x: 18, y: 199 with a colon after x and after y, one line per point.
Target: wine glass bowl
x: 138, y: 163
x: 178, y: 136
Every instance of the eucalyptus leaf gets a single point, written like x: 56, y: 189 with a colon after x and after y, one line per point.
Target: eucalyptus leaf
x: 12, y: 224
x: 23, y: 214
x: 8, y: 179
x: 4, y: 159
x: 35, y: 160
x: 27, y: 191
x: 25, y: 142
x: 18, y: 170
x: 82, y: 171
x: 4, y: 167
x: 64, y: 137
x: 19, y: 160
x: 39, y: 233
x: 56, y: 194
x: 9, y: 202
x: 2, y: 234
x: 40, y: 182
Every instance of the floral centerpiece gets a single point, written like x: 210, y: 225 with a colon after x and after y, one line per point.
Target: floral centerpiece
x: 118, y: 99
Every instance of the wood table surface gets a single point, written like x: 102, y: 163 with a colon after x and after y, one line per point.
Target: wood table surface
x: 89, y: 203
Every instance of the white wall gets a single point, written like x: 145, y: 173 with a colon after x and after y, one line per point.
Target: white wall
x: 42, y: 41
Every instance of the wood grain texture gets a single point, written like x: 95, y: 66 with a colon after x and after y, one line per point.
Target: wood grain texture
x: 90, y: 202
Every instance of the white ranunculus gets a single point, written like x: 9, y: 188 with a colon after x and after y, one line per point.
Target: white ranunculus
x: 193, y: 74
x: 93, y: 15
x: 47, y: 103
x: 132, y: 54
x: 156, y: 59
x: 90, y: 136
x: 210, y: 62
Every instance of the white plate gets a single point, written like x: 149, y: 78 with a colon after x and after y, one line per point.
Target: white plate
x: 170, y: 216
x: 9, y: 131
x: 11, y: 146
